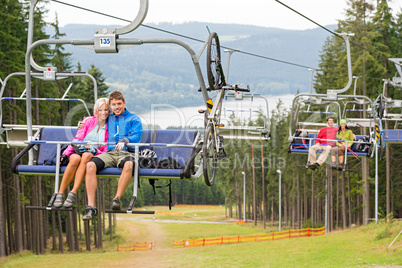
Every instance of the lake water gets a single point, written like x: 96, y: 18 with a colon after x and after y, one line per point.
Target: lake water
x: 166, y: 115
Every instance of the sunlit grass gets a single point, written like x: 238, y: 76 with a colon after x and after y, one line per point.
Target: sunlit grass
x: 364, y: 246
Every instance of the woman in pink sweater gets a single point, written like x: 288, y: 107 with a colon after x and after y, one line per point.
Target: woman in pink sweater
x: 94, y: 130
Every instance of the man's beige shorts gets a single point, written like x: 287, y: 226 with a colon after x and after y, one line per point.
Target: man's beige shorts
x: 114, y: 158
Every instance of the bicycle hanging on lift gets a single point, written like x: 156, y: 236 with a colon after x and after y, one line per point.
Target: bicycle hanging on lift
x: 212, y: 149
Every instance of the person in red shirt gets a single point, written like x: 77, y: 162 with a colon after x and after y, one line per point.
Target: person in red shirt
x: 326, y: 133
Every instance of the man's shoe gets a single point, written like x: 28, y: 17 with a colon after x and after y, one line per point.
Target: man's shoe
x: 58, y: 202
x: 116, y: 204
x: 90, y: 213
x: 313, y: 166
x: 70, y: 200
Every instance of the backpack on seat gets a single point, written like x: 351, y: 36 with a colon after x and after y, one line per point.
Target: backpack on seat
x: 300, y: 142
x: 362, y: 147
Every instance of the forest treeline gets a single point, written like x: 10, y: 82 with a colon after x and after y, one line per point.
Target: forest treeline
x: 351, y: 194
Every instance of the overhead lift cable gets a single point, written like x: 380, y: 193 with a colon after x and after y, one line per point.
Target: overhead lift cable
x: 337, y: 35
x: 202, y: 41
x: 183, y: 36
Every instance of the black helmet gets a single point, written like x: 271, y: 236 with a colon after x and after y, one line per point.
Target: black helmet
x: 147, y: 153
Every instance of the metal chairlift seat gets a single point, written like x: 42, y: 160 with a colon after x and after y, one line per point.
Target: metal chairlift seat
x: 246, y: 132
x: 392, y: 104
x: 366, y: 122
x: 313, y: 126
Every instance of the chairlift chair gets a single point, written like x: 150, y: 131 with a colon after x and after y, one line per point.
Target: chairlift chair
x: 333, y: 96
x: 108, y: 40
x: 16, y: 134
x: 244, y: 132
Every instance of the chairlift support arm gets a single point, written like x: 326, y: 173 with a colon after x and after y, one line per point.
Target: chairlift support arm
x: 349, y: 63
x: 92, y: 43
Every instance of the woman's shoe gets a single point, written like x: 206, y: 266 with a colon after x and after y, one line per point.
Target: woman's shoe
x: 70, y: 200
x: 58, y: 202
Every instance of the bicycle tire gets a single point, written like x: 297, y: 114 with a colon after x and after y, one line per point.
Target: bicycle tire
x: 216, y: 78
x: 209, y: 157
x: 381, y: 107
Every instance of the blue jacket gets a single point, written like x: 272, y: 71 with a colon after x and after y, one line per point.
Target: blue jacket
x: 127, y: 125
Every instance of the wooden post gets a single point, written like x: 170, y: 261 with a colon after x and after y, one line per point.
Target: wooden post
x: 61, y: 246
x: 100, y: 229
x: 110, y: 226
x: 312, y: 199
x: 343, y: 200
x: 2, y: 221
x: 75, y: 229
x: 87, y: 232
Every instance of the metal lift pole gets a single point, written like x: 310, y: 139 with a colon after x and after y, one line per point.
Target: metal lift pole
x: 376, y: 183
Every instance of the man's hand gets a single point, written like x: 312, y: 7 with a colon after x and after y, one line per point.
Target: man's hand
x: 121, y: 145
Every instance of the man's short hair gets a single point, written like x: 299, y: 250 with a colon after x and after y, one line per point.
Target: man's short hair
x: 330, y: 117
x: 116, y: 95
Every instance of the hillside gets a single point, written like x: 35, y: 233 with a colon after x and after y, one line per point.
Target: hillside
x: 364, y: 246
x: 164, y: 73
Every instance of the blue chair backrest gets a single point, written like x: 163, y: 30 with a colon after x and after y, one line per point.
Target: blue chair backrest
x: 146, y: 138
x: 47, y: 152
x: 393, y: 135
x: 175, y: 137
x: 312, y: 135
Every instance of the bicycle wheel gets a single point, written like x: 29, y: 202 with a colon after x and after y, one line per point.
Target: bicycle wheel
x: 216, y: 78
x: 209, y: 156
x: 381, y: 106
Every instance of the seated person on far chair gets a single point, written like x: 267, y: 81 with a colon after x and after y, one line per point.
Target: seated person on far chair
x: 344, y: 134
x: 124, y: 127
x: 326, y: 133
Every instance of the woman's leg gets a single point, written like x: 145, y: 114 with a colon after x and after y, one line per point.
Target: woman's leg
x: 80, y: 173
x: 71, y: 168
x: 334, y: 151
x: 341, y: 154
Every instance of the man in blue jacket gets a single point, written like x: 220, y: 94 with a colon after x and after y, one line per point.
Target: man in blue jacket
x: 124, y: 127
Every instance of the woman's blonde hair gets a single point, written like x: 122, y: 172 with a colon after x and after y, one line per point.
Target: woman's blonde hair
x: 99, y: 103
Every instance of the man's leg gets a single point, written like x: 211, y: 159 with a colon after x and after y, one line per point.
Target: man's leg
x: 313, y: 153
x: 124, y: 180
x: 91, y: 183
x: 324, y: 154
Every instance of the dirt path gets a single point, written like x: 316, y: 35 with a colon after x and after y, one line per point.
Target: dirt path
x: 138, y: 231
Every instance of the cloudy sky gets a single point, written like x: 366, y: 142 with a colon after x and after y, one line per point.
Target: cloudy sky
x: 267, y: 13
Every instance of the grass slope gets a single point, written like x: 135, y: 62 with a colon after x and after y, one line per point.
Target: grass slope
x: 362, y: 247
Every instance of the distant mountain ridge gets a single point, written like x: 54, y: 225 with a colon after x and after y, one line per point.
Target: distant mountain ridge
x: 164, y: 73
